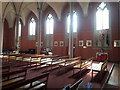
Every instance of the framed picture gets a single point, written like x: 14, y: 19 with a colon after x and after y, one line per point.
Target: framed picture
x: 41, y: 44
x: 61, y: 43
x: 81, y: 43
x: 89, y: 43
x: 55, y: 43
x: 36, y: 44
x: 116, y: 43
x: 119, y: 43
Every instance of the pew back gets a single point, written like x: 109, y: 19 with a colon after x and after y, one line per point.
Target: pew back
x: 13, y: 77
x: 37, y: 82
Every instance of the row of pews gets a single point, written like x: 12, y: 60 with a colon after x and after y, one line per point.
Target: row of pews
x: 17, y: 80
x: 48, y: 61
x: 98, y: 81
x: 62, y: 62
x: 29, y: 60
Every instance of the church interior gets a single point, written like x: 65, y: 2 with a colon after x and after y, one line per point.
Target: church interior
x: 59, y: 45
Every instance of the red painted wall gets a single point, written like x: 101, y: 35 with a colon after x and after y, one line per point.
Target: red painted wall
x: 85, y: 32
x: 5, y: 34
x: 8, y: 37
x: 25, y: 42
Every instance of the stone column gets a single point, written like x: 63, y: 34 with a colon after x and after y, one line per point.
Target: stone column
x: 17, y: 40
x: 1, y: 29
x: 39, y: 27
x: 1, y: 35
x: 71, y: 31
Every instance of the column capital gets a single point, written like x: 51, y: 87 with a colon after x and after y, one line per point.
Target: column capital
x: 39, y: 9
x: 18, y: 15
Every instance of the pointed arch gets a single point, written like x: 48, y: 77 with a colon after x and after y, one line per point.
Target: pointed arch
x: 102, y: 17
x: 49, y: 24
x: 102, y: 26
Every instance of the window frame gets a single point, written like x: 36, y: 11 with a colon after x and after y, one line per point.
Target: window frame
x: 20, y: 29
x: 96, y: 32
x: 47, y: 18
x: 106, y: 6
x: 29, y: 27
x: 68, y: 15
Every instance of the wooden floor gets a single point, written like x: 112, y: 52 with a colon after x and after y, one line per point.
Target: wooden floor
x: 115, y: 76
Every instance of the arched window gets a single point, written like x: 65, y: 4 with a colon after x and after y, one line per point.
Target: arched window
x: 49, y: 24
x: 102, y: 17
x: 32, y: 27
x: 102, y: 31
x: 19, y: 29
x: 74, y: 22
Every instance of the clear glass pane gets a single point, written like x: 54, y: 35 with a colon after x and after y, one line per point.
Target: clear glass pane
x: 49, y: 24
x: 74, y: 22
x: 105, y: 19
x: 19, y: 29
x: 32, y: 27
x: 68, y: 23
x: 102, y: 17
x: 102, y: 5
x: 47, y: 27
x: 99, y: 20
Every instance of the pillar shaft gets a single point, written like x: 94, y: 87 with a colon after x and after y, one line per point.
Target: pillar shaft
x: 1, y: 36
x: 71, y: 32
x: 17, y: 40
x: 39, y: 28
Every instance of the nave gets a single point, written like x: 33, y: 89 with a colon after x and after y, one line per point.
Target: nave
x: 59, y: 45
x: 59, y: 78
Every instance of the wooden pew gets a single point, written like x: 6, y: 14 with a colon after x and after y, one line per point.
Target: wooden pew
x: 73, y: 86
x: 106, y: 79
x: 56, y: 61
x: 4, y: 57
x: 10, y: 56
x: 13, y: 77
x: 100, y: 68
x: 101, y: 75
x: 38, y: 59
x: 69, y: 63
x: 38, y: 82
x: 14, y: 59
x: 5, y: 69
x: 99, y: 80
x: 83, y: 64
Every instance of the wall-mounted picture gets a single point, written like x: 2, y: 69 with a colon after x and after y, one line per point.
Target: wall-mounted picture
x: 61, y: 43
x: 55, y: 43
x: 89, y: 43
x: 41, y: 44
x: 116, y: 43
x: 36, y: 44
x: 81, y: 43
